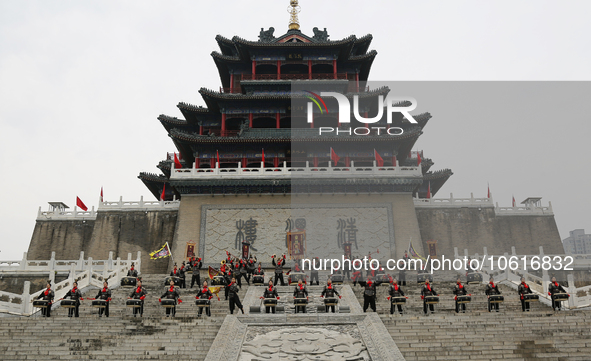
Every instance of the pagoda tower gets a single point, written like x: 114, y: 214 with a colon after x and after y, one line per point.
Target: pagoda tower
x: 250, y: 139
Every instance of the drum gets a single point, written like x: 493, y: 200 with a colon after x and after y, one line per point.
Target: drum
x: 530, y: 297
x: 464, y: 299
x: 332, y: 301
x: 560, y: 297
x: 68, y: 303
x: 129, y: 282
x: 300, y: 301
x: 294, y: 277
x: 270, y: 302
x: 99, y: 303
x: 177, y: 281
x: 432, y: 300
x: 496, y: 299
x: 167, y: 303
x: 337, y: 279
x: 383, y: 280
x: 40, y: 303
x: 218, y: 281
x: 134, y: 303
x: 474, y: 278
x: 203, y: 303
x: 422, y: 277
x: 258, y: 280
x: 398, y: 300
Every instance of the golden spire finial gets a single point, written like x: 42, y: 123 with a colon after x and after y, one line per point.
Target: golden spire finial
x: 294, y: 23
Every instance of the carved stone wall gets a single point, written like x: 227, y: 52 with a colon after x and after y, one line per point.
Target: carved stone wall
x: 371, y: 225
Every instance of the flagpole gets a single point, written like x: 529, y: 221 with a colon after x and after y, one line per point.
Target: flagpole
x: 169, y: 250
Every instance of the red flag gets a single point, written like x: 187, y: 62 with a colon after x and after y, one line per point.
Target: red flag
x: 177, y: 164
x: 81, y: 204
x: 379, y: 160
x: 217, y: 156
x: 102, y: 199
x: 429, y: 191
x: 263, y: 157
x: 513, y: 201
x: 163, y: 192
x: 488, y: 194
x: 418, y: 158
x: 334, y: 157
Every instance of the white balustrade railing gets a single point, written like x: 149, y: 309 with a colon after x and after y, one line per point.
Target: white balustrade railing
x: 454, y: 202
x: 579, y: 296
x: 528, y: 210
x: 88, y: 273
x: 66, y: 215
x: 295, y: 172
x: 122, y: 205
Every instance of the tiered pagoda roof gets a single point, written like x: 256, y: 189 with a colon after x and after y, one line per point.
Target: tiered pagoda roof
x: 251, y: 113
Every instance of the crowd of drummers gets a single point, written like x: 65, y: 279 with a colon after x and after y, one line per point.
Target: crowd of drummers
x: 233, y: 270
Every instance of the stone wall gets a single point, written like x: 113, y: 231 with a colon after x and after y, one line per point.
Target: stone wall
x: 121, y: 232
x: 65, y: 237
x: 400, y: 207
x: 474, y: 228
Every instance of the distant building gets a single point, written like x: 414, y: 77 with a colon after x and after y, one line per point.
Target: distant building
x: 577, y: 243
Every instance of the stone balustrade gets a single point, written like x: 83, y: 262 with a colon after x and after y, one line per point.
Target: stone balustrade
x: 88, y: 273
x: 296, y: 172
x: 141, y: 205
x: 580, y: 297
x: 527, y: 210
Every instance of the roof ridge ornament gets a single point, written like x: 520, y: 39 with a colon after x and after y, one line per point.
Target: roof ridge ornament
x: 294, y: 9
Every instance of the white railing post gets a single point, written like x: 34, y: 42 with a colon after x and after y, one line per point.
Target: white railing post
x: 138, y: 262
x: 456, y: 254
x: 72, y: 276
x: 513, y: 251
x: 465, y: 252
x: 109, y: 265
x: 572, y: 291
x: 90, y: 267
x: 81, y: 261
x: 26, y: 298
x: 118, y: 263
x: 23, y: 265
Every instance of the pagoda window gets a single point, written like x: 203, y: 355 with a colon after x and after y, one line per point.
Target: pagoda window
x: 325, y: 121
x: 299, y: 122
x: 323, y: 67
x: 285, y: 122
x: 233, y: 122
x: 264, y: 122
x: 294, y: 68
x: 266, y: 68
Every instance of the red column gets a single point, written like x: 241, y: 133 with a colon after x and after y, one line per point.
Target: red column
x: 254, y: 69
x: 231, y: 82
x: 347, y: 161
x: 223, y: 124
x: 315, y: 161
x: 309, y: 69
x: 276, y: 162
x: 243, y: 162
x: 196, y: 163
x: 394, y: 161
x: 277, y: 121
x: 334, y: 68
x: 357, y: 81
x: 278, y: 69
x: 250, y: 119
x: 212, y: 162
x: 201, y: 130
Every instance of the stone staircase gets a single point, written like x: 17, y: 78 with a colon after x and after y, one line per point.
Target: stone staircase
x: 445, y: 335
x: 121, y: 335
x: 478, y: 334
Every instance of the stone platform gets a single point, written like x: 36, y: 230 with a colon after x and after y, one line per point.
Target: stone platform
x: 314, y: 335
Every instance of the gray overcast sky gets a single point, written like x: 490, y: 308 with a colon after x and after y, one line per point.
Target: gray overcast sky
x: 82, y: 82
